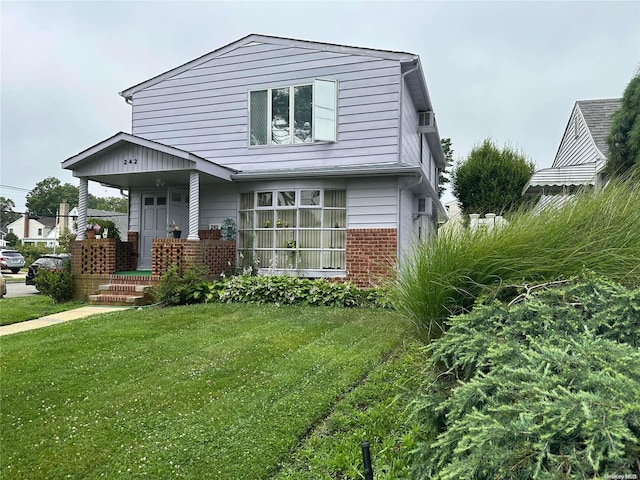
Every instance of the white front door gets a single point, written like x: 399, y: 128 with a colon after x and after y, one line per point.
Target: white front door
x: 153, y: 225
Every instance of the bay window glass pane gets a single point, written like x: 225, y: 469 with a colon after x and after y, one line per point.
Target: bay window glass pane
x: 265, y: 199
x: 286, y: 239
x: 246, y: 220
x: 246, y: 201
x: 264, y: 219
x: 335, y: 218
x: 285, y: 218
x: 286, y: 259
x: 280, y: 132
x: 258, y: 122
x: 310, y: 218
x: 245, y: 239
x: 335, y: 239
x: 309, y: 238
x: 309, y: 259
x: 333, y: 260
x: 302, y: 114
x: 286, y: 199
x: 264, y: 258
x: 264, y: 239
x: 335, y: 198
x: 310, y: 197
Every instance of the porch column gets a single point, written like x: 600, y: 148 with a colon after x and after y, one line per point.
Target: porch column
x: 83, y: 195
x: 194, y: 205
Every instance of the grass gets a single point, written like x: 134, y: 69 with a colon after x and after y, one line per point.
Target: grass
x: 14, y: 310
x: 206, y: 391
x: 377, y: 411
x: 598, y: 232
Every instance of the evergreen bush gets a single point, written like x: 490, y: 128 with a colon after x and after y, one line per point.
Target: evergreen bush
x: 548, y: 387
x: 57, y: 285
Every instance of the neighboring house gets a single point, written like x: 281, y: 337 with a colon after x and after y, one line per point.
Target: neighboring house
x: 581, y: 156
x: 321, y: 154
x: 32, y: 230
x: 119, y: 219
x: 3, y: 233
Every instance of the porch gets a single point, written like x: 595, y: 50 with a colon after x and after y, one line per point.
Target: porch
x: 99, y: 266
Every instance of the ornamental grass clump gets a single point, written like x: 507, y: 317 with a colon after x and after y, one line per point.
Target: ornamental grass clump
x: 597, y: 231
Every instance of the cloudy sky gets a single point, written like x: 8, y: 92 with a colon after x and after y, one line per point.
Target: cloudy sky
x: 506, y: 70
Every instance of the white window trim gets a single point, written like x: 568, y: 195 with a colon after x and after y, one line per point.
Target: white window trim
x: 291, y: 114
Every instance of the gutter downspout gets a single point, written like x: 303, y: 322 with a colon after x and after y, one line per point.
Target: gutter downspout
x: 400, y: 190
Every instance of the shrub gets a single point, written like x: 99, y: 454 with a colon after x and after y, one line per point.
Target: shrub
x: 176, y: 286
x: 57, y: 285
x: 284, y: 290
x: 546, y: 388
x: 597, y: 231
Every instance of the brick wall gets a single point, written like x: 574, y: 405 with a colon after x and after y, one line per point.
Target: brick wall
x: 218, y: 255
x: 371, y: 255
x: 93, y: 256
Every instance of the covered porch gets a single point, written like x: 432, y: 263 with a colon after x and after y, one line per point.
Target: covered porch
x: 164, y: 186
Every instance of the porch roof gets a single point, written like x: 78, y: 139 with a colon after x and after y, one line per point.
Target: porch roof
x: 125, y: 161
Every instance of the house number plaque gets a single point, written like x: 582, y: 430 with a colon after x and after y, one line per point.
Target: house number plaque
x: 131, y: 161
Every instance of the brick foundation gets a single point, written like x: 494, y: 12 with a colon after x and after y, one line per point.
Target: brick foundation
x: 371, y: 255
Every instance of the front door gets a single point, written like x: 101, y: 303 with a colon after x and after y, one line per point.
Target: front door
x: 154, y: 225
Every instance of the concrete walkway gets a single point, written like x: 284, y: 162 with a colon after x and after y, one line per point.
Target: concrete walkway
x: 55, y: 318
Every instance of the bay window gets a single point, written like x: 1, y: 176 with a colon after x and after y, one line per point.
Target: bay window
x: 294, y: 114
x: 297, y: 229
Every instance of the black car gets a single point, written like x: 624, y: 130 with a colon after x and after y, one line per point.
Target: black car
x: 54, y: 263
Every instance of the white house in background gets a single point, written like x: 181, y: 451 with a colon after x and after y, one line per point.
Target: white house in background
x: 325, y: 156
x: 32, y: 230
x: 581, y: 156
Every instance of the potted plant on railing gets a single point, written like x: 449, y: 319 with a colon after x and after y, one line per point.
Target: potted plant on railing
x: 92, y: 230
x: 176, y: 230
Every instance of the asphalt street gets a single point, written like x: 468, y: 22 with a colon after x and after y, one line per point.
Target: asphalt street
x: 16, y: 286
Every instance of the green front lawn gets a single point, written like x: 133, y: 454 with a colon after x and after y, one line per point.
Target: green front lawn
x: 14, y: 310
x: 206, y: 391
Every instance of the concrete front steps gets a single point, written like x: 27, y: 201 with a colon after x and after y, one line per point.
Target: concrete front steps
x: 123, y: 290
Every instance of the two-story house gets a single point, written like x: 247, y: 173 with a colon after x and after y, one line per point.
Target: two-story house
x: 325, y: 156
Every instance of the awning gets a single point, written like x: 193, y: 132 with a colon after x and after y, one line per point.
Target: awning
x: 562, y: 180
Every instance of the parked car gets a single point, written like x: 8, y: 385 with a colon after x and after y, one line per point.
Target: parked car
x: 11, y: 260
x: 3, y: 286
x: 54, y: 263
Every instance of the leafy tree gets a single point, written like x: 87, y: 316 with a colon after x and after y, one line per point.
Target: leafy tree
x: 48, y: 194
x: 490, y: 180
x: 624, y: 137
x: 7, y: 215
x: 112, y: 204
x: 444, y: 178
x: 11, y: 239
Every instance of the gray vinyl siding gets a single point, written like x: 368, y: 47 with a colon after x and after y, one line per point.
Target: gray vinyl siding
x: 576, y: 150
x: 408, y: 231
x: 372, y: 203
x: 204, y: 109
x: 134, y: 210
x: 120, y: 160
x: 410, y: 138
x: 216, y: 205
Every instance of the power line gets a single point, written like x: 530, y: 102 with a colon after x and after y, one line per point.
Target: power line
x: 11, y: 187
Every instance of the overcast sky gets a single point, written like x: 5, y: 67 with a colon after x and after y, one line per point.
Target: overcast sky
x: 511, y: 71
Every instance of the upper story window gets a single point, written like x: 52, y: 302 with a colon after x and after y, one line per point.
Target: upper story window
x: 39, y: 232
x: 294, y: 114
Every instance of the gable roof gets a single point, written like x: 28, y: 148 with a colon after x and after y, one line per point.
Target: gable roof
x: 597, y: 115
x: 403, y: 57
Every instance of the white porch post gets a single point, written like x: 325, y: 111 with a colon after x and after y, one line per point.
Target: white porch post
x: 83, y: 195
x: 194, y: 205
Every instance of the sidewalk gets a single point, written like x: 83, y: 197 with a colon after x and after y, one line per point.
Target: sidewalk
x: 55, y: 318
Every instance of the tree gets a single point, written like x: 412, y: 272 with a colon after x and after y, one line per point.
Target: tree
x: 7, y: 215
x: 46, y: 197
x: 11, y: 239
x: 112, y: 204
x: 624, y: 136
x: 444, y: 178
x: 490, y: 180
